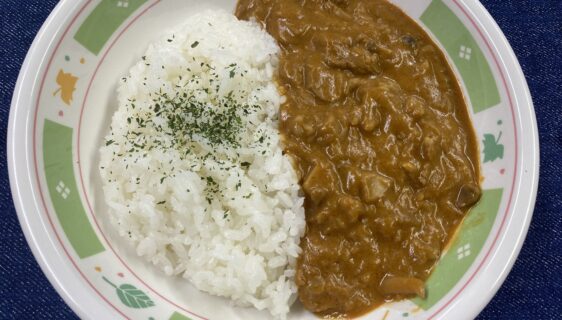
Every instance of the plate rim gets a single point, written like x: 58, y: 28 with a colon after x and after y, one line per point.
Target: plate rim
x: 46, y: 253
x: 21, y: 106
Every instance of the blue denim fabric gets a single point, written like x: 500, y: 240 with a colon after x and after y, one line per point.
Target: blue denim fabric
x: 533, y: 290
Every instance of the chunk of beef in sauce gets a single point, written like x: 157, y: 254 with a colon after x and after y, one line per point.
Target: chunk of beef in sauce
x: 379, y: 131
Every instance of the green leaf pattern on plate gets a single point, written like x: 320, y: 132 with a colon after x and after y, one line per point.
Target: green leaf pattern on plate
x: 131, y: 296
x: 493, y: 149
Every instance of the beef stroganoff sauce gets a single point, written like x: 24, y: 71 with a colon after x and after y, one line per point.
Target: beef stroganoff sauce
x: 380, y: 135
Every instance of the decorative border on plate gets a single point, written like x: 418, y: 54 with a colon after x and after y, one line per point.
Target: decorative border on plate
x: 61, y: 189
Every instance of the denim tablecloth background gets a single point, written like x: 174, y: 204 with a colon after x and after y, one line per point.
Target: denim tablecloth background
x: 533, y: 290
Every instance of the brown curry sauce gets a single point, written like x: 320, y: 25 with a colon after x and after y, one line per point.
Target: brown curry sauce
x: 380, y: 134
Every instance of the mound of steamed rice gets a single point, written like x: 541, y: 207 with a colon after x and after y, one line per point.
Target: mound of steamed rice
x: 223, y: 212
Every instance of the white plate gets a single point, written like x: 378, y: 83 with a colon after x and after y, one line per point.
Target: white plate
x: 53, y: 142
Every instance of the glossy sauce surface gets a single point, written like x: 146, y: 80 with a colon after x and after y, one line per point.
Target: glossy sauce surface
x: 380, y: 134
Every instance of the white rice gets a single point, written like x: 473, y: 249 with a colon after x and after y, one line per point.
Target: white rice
x: 228, y: 217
